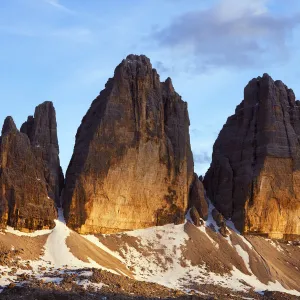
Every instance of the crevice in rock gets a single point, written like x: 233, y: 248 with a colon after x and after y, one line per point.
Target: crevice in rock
x: 255, y: 111
x: 285, y: 128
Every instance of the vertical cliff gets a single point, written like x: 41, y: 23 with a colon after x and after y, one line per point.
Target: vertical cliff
x: 42, y: 132
x: 254, y: 177
x: 132, y: 165
x: 30, y: 174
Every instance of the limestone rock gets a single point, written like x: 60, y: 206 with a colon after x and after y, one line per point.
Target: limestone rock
x: 197, y: 198
x: 24, y: 200
x: 254, y: 177
x: 223, y: 230
x: 42, y: 132
x: 219, y: 219
x: 132, y: 165
x: 195, y: 216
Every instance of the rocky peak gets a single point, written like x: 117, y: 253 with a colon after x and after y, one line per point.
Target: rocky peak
x: 8, y: 125
x: 253, y: 177
x: 42, y: 132
x: 132, y: 152
x: 168, y: 86
x: 30, y: 174
x: 42, y: 128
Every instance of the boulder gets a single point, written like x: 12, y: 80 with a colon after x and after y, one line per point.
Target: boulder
x: 195, y: 217
x: 219, y: 219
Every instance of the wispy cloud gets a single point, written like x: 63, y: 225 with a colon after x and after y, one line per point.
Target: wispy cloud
x: 230, y: 33
x: 202, y: 158
x: 58, y: 5
x: 75, y: 34
x: 68, y: 34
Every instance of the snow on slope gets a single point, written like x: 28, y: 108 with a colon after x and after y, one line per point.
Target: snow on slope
x: 29, y: 234
x: 57, y: 256
x: 57, y: 253
x: 159, y: 257
x: 164, y: 263
x: 180, y: 275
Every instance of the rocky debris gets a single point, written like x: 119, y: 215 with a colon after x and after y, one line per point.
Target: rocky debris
x: 101, y: 285
x: 42, y: 132
x: 195, y: 217
x: 8, y: 256
x: 254, y: 177
x: 30, y: 175
x: 132, y: 164
x: 221, y: 222
x: 104, y: 285
x: 223, y: 230
x: 197, y: 198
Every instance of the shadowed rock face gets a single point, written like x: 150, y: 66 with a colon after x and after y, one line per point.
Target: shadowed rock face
x: 132, y: 164
x: 30, y: 175
x: 42, y: 132
x: 254, y: 177
x: 197, y: 198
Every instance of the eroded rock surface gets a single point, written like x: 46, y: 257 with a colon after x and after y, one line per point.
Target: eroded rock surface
x: 29, y: 171
x: 197, y: 198
x: 42, y: 132
x: 254, y: 177
x: 132, y: 165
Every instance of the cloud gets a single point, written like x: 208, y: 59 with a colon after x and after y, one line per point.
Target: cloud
x: 230, y: 33
x: 202, y: 158
x: 59, y: 6
x: 196, y: 132
x: 161, y: 67
x: 74, y: 34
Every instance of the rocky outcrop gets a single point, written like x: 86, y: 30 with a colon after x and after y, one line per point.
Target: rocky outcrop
x: 132, y: 164
x: 254, y: 177
x: 30, y: 175
x: 197, y: 198
x: 42, y: 132
x: 195, y: 217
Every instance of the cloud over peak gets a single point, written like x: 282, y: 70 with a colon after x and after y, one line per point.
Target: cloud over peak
x: 230, y: 33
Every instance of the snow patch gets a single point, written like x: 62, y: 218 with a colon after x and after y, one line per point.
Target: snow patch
x: 29, y: 234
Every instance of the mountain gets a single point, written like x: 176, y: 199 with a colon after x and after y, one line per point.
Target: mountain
x: 30, y: 174
x: 254, y: 177
x: 136, y: 221
x: 42, y: 132
x: 132, y: 165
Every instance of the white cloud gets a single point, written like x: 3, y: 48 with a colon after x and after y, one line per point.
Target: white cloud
x: 75, y: 34
x: 230, y: 33
x: 58, y: 5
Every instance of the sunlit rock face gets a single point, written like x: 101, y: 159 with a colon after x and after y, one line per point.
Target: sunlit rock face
x: 27, y: 159
x: 254, y: 177
x: 132, y: 165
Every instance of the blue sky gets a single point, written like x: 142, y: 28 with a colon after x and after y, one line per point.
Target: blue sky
x: 65, y: 50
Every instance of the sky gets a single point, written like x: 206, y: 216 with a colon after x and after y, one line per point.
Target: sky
x: 65, y: 50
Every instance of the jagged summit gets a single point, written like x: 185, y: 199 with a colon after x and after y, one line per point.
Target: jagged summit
x: 254, y: 176
x: 30, y: 173
x: 132, y: 165
x: 8, y: 125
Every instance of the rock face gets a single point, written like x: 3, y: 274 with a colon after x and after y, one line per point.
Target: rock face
x: 195, y: 217
x: 42, y: 132
x: 28, y: 190
x: 132, y: 164
x: 197, y: 198
x: 254, y: 177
